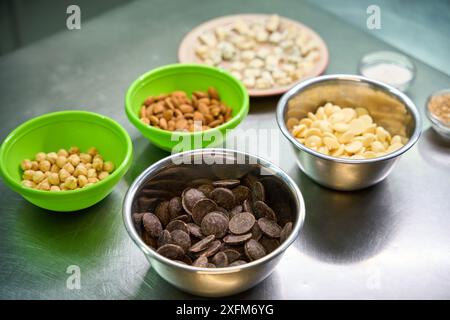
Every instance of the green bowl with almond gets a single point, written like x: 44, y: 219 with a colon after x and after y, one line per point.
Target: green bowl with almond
x: 188, y: 78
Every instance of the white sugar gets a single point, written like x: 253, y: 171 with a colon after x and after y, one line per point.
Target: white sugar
x: 390, y: 73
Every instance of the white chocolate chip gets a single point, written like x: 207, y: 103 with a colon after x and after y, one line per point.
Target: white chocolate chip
x: 262, y: 53
x: 354, y: 146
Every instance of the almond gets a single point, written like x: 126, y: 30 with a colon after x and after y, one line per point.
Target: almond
x: 176, y: 111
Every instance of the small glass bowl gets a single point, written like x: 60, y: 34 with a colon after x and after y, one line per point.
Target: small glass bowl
x: 388, y: 57
x: 439, y: 126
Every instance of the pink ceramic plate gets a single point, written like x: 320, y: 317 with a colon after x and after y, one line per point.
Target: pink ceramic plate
x: 186, y: 53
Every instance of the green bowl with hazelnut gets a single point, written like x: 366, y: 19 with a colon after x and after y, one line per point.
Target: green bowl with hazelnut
x: 46, y: 135
x: 188, y: 78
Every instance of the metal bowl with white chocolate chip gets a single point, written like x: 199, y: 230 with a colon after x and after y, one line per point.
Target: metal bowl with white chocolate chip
x: 355, y: 129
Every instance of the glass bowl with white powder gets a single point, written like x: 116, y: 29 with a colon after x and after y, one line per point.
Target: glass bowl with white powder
x: 389, y: 67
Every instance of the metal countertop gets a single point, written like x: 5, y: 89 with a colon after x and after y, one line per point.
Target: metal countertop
x: 389, y: 241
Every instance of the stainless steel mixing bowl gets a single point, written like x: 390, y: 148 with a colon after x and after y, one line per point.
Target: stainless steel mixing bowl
x: 171, y: 175
x: 388, y: 106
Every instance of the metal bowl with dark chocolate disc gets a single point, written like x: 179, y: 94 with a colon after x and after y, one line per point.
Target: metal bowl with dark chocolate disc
x: 217, y: 226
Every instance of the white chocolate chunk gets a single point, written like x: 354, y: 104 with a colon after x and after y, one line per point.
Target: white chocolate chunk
x: 241, y: 27
x: 256, y: 63
x: 281, y: 51
x: 237, y: 75
x: 262, y: 83
x: 238, y: 66
x: 248, y: 55
x: 252, y: 72
x: 262, y: 53
x: 278, y: 74
x: 227, y: 50
x: 249, y: 82
x: 273, y: 23
x: 261, y: 36
x: 275, y: 37
x: 209, y: 39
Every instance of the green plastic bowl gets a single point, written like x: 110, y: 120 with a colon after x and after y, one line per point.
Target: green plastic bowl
x: 57, y: 130
x: 188, y: 78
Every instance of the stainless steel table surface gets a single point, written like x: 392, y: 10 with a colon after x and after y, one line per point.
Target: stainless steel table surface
x: 389, y: 241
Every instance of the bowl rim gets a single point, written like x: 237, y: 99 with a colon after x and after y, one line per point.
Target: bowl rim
x: 132, y: 190
x: 22, y: 130
x: 283, y: 103
x: 235, y: 119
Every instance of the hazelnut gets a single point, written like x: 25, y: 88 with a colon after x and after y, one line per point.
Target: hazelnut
x: 61, y: 161
x: 53, y: 178
x: 85, y: 157
x: 52, y: 156
x: 91, y: 173
x: 54, y: 168
x: 97, y: 164
x: 44, y: 185
x: 45, y: 165
x: 71, y: 183
x: 63, y: 175
x: 63, y: 153
x: 74, y: 159
x: 65, y: 170
x: 92, y: 180
x: 69, y: 167
x: 40, y: 156
x: 28, y: 175
x: 34, y: 165
x: 28, y: 184
x: 82, y: 181
x: 92, y: 151
x: 74, y: 150
x: 103, y: 175
x: 38, y: 176
x: 108, y: 166
x: 80, y: 170
x: 26, y: 164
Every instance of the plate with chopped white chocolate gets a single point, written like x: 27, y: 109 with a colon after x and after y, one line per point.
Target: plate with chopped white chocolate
x: 268, y: 53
